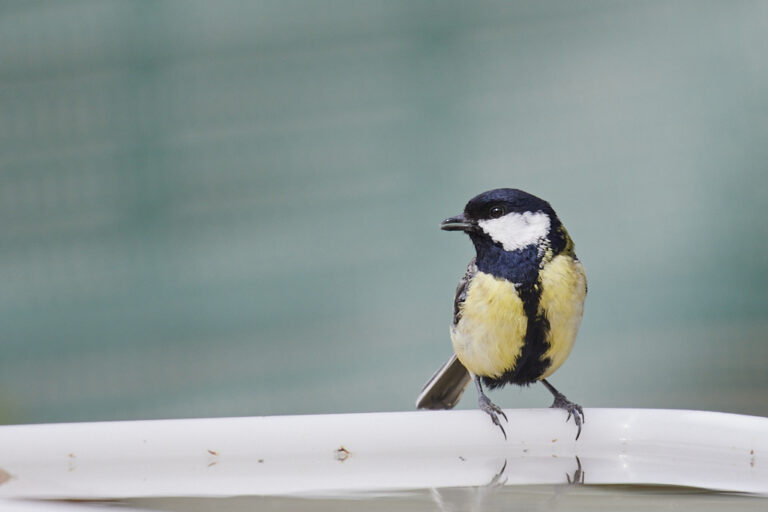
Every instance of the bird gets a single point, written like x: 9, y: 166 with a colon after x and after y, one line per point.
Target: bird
x: 517, y: 310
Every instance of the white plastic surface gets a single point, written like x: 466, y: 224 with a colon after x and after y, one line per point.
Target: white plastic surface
x: 14, y: 505
x: 381, y: 451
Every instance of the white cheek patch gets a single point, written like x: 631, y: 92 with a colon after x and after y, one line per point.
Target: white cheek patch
x: 517, y: 230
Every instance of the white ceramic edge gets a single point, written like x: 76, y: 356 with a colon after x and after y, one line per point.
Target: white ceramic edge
x: 278, y: 455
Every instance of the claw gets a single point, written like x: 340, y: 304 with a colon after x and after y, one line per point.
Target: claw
x: 571, y: 408
x: 498, y: 424
x: 490, y: 408
x: 493, y: 411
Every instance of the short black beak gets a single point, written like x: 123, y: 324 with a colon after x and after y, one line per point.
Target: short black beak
x: 457, y: 223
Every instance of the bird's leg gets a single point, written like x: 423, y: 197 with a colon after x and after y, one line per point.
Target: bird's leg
x: 485, y: 404
x: 563, y: 403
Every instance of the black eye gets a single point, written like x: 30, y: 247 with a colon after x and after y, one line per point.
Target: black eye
x: 495, y: 212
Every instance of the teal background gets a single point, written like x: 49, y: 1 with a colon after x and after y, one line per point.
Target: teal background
x: 232, y: 208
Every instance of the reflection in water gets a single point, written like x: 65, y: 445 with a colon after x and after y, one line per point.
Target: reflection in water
x: 500, y: 493
x: 578, y: 475
x: 488, y: 497
x: 472, y: 498
x: 468, y: 498
x: 560, y: 498
x: 496, y: 480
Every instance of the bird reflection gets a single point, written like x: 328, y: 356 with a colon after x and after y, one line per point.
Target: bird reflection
x: 578, y: 475
x: 496, y: 492
x: 496, y: 481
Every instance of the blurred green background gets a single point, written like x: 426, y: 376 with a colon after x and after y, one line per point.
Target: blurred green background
x: 232, y: 208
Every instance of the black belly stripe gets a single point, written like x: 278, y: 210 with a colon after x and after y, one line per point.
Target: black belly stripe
x: 531, y: 364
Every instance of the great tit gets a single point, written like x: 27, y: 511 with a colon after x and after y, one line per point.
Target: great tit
x: 518, y: 307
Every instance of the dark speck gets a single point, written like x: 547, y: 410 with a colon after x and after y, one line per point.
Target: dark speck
x: 342, y: 454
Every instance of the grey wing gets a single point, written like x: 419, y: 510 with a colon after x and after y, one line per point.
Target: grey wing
x: 444, y: 389
x: 461, y: 290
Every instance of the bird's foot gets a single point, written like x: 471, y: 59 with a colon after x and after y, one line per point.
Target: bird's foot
x: 493, y: 410
x: 573, y: 409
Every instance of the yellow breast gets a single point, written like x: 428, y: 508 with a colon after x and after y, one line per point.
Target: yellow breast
x: 490, y: 335
x: 563, y: 290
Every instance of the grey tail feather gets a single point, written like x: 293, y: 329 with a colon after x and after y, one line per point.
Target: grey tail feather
x: 445, y: 387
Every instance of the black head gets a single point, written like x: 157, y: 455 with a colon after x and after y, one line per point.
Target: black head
x: 483, y: 210
x: 501, y: 201
x: 511, y: 230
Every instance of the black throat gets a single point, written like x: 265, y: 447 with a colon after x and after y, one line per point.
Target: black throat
x: 520, y: 267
